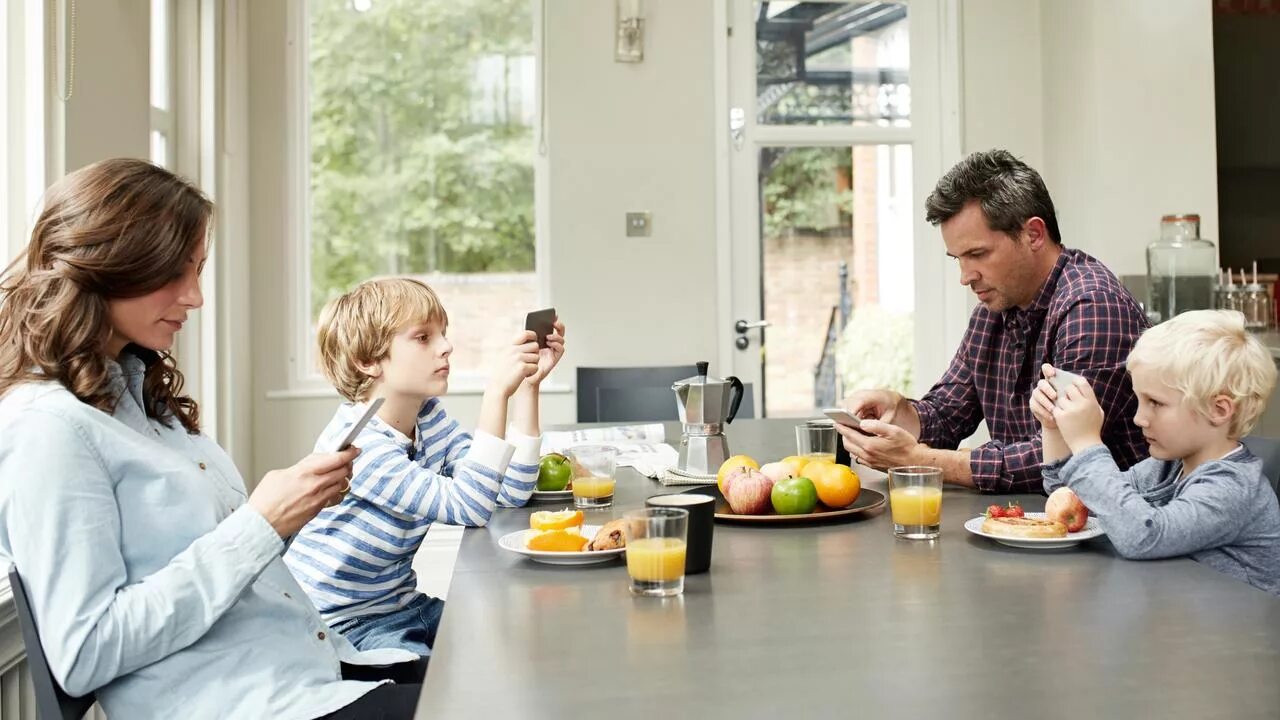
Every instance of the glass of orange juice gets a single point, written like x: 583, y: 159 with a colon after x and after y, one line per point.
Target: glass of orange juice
x: 594, y: 467
x: 656, y: 550
x: 915, y: 501
x: 816, y: 440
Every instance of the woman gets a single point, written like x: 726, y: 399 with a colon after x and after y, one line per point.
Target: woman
x: 155, y: 581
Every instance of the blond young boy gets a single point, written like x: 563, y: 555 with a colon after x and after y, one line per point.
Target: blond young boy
x: 387, y: 339
x: 1202, y: 382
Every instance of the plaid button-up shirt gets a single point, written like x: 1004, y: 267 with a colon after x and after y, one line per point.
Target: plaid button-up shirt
x: 1083, y: 321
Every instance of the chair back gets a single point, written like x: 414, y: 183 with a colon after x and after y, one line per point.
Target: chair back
x: 638, y: 394
x: 51, y: 701
x: 1268, y: 451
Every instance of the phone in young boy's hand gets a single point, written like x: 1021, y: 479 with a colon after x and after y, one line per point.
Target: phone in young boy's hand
x: 542, y: 323
x: 1062, y: 380
x: 352, y: 434
x: 846, y: 418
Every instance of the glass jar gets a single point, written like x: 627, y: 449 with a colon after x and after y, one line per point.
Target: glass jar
x: 1256, y: 305
x: 1181, y: 267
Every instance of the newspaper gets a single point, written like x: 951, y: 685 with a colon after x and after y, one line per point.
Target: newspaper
x: 639, y: 446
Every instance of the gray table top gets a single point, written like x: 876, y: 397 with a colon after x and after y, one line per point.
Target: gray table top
x: 843, y: 619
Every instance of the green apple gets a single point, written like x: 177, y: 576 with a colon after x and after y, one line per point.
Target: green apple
x: 794, y: 496
x: 554, y: 472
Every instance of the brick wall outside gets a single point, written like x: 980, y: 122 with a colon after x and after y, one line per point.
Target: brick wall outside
x: 802, y: 284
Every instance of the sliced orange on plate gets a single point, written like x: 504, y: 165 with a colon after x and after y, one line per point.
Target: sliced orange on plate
x: 557, y: 541
x: 555, y: 519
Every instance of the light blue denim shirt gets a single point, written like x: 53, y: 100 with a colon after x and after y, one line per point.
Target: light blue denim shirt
x: 152, y: 581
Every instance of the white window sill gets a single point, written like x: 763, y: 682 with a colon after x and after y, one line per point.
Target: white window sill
x: 464, y: 388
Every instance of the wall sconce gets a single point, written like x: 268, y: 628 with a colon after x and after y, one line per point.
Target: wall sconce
x: 629, y: 43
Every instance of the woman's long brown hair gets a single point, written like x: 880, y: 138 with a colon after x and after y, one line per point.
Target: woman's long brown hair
x: 116, y: 229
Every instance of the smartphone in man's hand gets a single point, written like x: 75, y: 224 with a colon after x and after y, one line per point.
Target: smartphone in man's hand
x: 846, y: 418
x: 542, y: 323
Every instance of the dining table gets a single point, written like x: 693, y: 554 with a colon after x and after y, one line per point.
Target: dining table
x: 843, y: 619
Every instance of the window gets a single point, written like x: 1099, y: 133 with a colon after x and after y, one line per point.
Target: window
x: 418, y: 158
x: 162, y: 83
x: 22, y: 119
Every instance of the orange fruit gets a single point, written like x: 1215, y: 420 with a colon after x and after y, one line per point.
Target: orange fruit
x: 555, y: 520
x: 733, y: 463
x: 557, y: 541
x: 838, y: 485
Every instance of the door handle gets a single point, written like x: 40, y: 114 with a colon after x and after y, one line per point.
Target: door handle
x: 742, y: 326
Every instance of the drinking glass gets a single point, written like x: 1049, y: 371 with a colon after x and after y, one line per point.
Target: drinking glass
x: 656, y: 550
x: 816, y: 440
x: 915, y: 501
x: 593, y: 475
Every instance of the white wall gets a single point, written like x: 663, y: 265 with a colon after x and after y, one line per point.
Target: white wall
x: 624, y: 137
x: 109, y: 114
x: 1002, y: 96
x: 1112, y: 102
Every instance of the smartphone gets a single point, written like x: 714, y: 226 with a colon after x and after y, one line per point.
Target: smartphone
x: 1062, y: 380
x: 541, y: 322
x: 844, y: 417
x: 354, y: 432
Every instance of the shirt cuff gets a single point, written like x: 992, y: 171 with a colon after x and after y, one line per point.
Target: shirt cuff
x: 251, y: 532
x: 490, y: 452
x: 527, y: 447
x: 928, y: 417
x: 985, y: 466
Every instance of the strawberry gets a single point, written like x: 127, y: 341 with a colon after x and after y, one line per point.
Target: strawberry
x: 1014, y: 510
x: 995, y: 511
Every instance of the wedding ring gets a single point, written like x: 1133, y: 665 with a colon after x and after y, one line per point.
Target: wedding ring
x: 345, y: 486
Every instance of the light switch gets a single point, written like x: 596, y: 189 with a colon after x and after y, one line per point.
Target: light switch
x: 639, y: 224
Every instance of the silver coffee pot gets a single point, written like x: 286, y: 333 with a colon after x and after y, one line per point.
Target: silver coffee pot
x: 706, y: 405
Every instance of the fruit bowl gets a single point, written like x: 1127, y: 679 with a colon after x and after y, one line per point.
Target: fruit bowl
x: 868, y: 502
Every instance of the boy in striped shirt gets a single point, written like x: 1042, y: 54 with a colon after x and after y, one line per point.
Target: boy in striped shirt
x: 386, y: 338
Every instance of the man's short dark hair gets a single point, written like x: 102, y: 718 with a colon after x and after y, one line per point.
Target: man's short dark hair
x: 1009, y: 191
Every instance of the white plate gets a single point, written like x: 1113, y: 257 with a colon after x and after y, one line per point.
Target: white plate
x: 1091, y: 530
x: 551, y: 495
x: 515, y: 542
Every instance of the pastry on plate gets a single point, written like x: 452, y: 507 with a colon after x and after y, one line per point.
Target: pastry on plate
x: 1023, y: 527
x: 610, y: 537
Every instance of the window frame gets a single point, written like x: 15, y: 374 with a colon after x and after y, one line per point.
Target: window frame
x: 25, y: 127
x: 303, y: 377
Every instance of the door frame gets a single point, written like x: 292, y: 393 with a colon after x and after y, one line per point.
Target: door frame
x: 935, y: 137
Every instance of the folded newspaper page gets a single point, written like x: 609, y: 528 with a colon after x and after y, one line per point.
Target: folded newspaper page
x: 639, y: 446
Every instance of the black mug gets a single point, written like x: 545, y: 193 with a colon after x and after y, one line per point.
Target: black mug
x: 702, y: 520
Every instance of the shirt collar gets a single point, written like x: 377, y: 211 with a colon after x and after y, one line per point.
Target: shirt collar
x: 1040, y: 306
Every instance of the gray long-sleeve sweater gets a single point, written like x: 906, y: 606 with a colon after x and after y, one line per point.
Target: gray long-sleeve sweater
x: 1224, y: 514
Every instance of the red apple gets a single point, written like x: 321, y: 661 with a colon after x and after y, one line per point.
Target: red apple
x: 748, y: 492
x: 1065, y: 507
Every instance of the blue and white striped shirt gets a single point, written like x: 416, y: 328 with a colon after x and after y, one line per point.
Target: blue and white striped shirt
x: 355, y: 558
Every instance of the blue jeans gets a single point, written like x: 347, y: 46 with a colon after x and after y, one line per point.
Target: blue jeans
x: 412, y: 627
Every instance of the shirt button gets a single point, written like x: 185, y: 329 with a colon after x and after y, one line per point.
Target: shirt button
x: 288, y: 596
x: 202, y: 466
x: 320, y: 635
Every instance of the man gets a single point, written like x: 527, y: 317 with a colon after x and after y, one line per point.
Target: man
x: 1038, y: 303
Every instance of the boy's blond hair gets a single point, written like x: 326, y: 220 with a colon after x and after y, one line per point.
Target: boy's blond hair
x: 357, y: 328
x: 1206, y: 353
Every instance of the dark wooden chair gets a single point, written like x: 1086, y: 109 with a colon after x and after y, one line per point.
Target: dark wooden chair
x: 51, y: 701
x: 637, y: 394
x: 1268, y: 451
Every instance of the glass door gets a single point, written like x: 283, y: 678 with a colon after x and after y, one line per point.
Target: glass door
x: 826, y: 140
